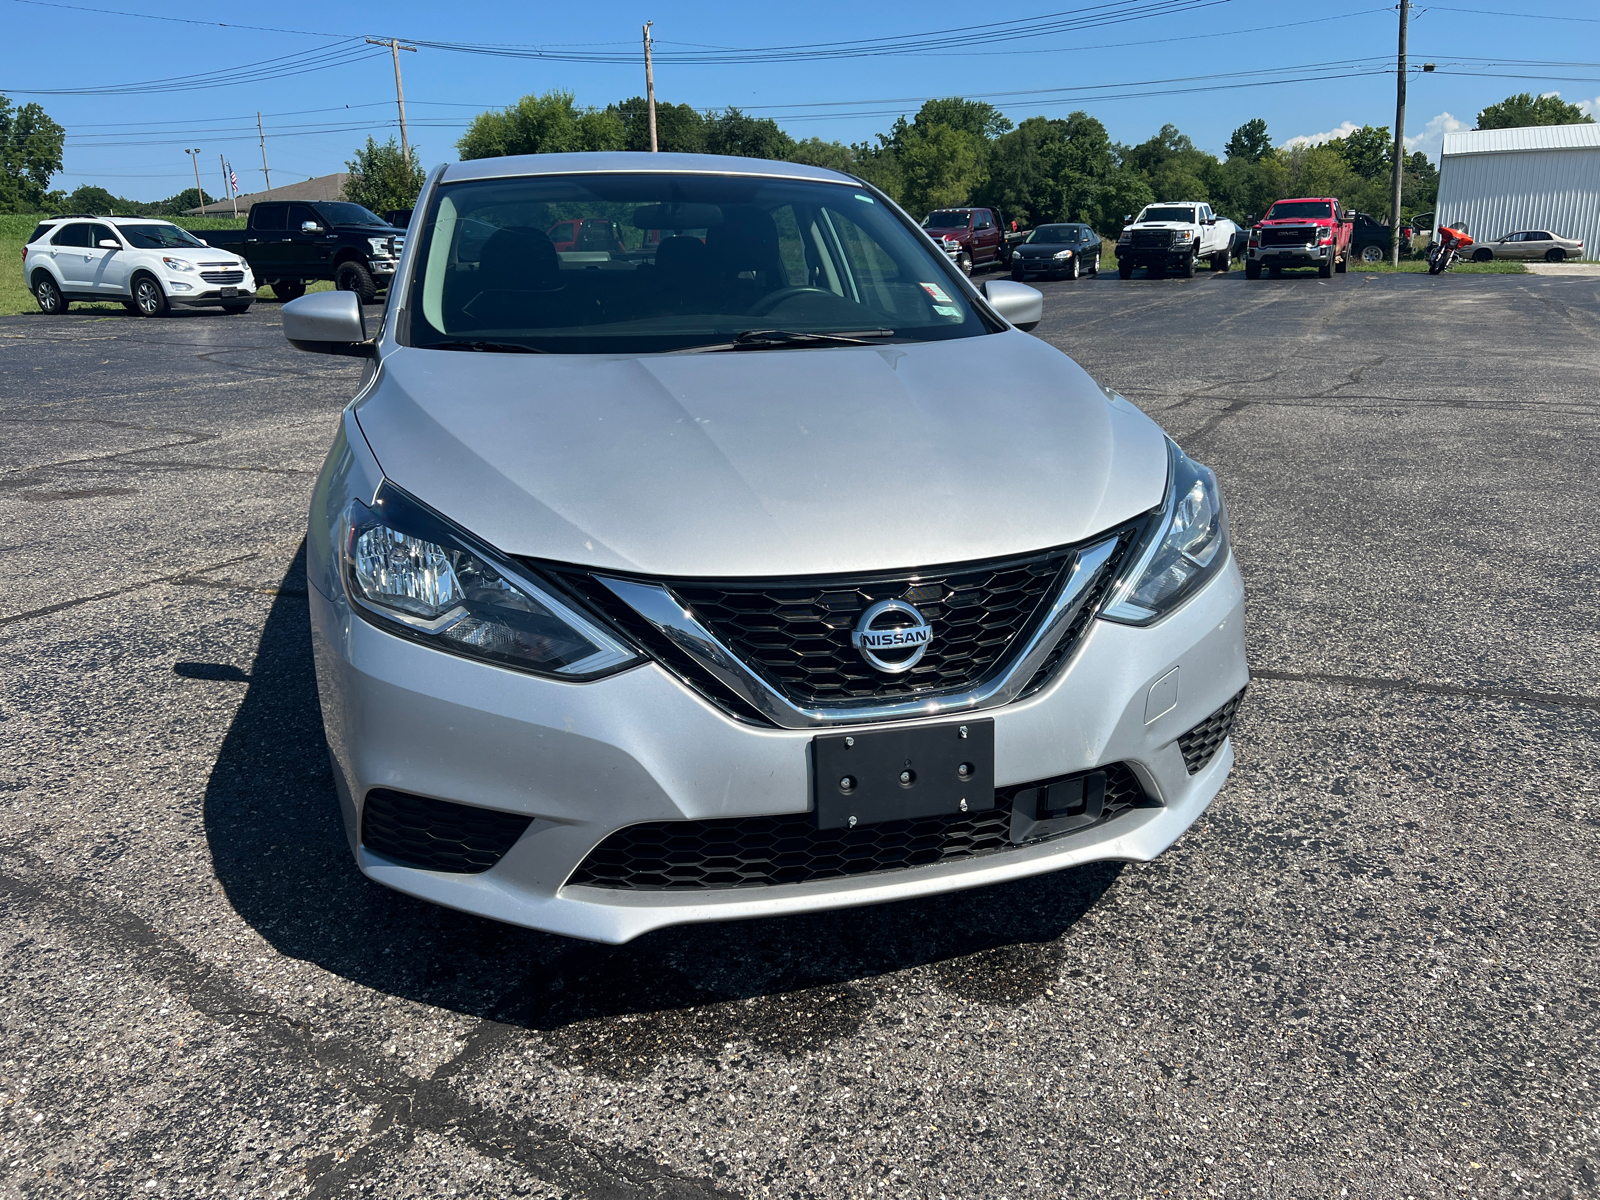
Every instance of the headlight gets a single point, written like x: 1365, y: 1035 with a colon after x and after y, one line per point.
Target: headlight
x: 1187, y: 546
x: 380, y: 247
x: 430, y: 581
x: 1062, y: 254
x: 177, y: 264
x: 1125, y: 236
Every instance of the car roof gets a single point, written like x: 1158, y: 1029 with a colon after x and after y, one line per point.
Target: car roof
x: 113, y: 220
x: 635, y: 162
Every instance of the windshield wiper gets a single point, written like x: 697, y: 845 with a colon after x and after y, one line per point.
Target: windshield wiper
x: 484, y: 347
x: 784, y: 339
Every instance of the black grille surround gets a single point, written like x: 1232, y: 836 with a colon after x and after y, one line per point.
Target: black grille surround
x: 746, y: 852
x: 1292, y: 235
x: 1200, y: 744
x: 1155, y: 239
x: 437, y: 835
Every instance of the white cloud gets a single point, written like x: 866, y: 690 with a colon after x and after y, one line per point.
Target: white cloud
x: 1316, y: 139
x: 1432, y: 136
x: 1591, y: 108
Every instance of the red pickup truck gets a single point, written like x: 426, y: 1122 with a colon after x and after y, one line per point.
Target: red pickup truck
x: 1309, y: 232
x: 973, y: 237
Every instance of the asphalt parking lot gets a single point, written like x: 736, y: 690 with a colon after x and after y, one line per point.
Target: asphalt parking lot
x: 1370, y: 970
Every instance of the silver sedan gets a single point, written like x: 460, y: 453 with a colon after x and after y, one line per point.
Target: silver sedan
x: 1529, y: 245
x: 759, y: 565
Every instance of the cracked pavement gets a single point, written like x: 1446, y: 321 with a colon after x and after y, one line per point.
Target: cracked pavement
x: 1370, y: 969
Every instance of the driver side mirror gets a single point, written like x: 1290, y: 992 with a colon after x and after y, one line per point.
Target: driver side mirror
x: 310, y: 227
x: 108, y: 244
x: 1127, y: 218
x: 328, y: 323
x: 1018, y: 303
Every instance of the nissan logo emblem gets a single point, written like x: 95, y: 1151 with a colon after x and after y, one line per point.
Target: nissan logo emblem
x: 878, y: 633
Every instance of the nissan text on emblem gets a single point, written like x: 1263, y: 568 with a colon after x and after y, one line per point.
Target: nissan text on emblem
x: 892, y: 636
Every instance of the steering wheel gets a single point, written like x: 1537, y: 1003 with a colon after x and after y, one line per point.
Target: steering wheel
x: 772, y: 299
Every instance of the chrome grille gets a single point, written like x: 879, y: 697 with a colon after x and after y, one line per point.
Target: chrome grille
x: 797, y: 633
x: 234, y: 276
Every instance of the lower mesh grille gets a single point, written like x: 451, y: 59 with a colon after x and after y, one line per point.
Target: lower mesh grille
x: 761, y: 851
x: 437, y: 835
x: 1200, y: 744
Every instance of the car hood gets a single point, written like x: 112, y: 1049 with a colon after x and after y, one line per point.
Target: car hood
x: 766, y: 463
x: 1162, y: 225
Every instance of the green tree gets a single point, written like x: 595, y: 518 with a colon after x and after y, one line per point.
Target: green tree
x: 176, y: 206
x: 815, y: 152
x: 733, y: 132
x: 939, y: 167
x: 1368, y: 151
x: 976, y: 117
x: 680, y: 129
x: 1525, y: 109
x: 381, y: 179
x: 1048, y: 169
x: 1243, y: 189
x: 1174, y: 168
x: 547, y: 124
x: 30, y: 153
x: 1249, y: 142
x: 95, y: 201
x: 1122, y: 191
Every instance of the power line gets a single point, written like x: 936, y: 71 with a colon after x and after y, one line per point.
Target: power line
x: 284, y: 66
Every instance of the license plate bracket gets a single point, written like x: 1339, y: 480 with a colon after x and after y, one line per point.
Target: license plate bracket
x: 228, y: 293
x: 859, y: 778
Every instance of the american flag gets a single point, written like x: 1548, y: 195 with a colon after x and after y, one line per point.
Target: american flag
x: 233, y: 180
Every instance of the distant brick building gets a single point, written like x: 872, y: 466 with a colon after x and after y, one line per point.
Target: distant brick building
x: 323, y: 187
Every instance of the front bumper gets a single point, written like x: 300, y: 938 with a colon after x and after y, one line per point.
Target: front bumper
x: 1155, y: 256
x: 1040, y: 266
x: 584, y: 760
x: 383, y: 267
x: 243, y: 294
x: 1308, y: 255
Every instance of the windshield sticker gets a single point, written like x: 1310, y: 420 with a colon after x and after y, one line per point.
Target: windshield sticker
x: 868, y: 199
x: 948, y: 311
x: 937, y: 292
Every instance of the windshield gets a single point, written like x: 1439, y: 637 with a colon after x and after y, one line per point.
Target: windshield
x: 1054, y: 233
x: 947, y: 220
x: 1285, y: 209
x: 1168, y: 212
x: 341, y: 213
x: 626, y: 264
x: 159, y: 237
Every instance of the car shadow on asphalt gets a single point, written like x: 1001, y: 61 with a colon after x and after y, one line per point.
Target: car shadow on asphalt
x: 279, y: 850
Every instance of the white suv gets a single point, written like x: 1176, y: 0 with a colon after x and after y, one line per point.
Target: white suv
x: 146, y: 264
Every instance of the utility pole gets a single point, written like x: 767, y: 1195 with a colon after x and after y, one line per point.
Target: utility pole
x: 264, y: 169
x: 399, y: 92
x: 650, y: 86
x: 194, y: 159
x: 1399, y: 138
x: 227, y: 185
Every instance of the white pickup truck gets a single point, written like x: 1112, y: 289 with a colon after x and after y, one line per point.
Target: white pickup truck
x: 1174, y: 236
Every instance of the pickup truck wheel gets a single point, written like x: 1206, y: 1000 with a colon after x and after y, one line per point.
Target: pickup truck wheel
x: 1124, y: 269
x: 964, y: 261
x: 1371, y: 253
x: 354, y: 277
x: 1222, y: 261
x: 51, y: 302
x: 288, y: 289
x: 1343, y: 265
x: 1186, y: 268
x: 148, y: 298
x: 1555, y: 254
x: 1325, y: 268
x: 1252, y: 270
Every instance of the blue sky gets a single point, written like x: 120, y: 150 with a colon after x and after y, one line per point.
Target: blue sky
x: 133, y: 144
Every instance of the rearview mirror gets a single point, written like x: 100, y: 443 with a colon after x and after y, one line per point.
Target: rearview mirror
x: 1018, y: 303
x: 328, y: 323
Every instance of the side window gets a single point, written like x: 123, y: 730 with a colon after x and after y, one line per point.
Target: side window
x: 873, y: 275
x: 76, y: 234
x: 791, y: 247
x: 299, y: 214
x: 267, y: 216
x: 1541, y: 236
x: 101, y: 233
x: 983, y: 221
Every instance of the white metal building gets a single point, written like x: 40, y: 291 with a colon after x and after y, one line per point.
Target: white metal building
x: 1501, y: 181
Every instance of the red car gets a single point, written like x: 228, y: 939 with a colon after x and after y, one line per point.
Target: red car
x: 1308, y: 232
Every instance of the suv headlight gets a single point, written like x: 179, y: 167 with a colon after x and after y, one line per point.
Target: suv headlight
x: 1186, y: 547
x: 423, y: 578
x: 177, y: 264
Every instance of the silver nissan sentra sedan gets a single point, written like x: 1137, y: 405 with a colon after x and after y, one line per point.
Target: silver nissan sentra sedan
x: 701, y: 544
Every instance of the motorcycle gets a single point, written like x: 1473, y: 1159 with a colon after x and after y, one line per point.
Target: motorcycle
x: 1446, y: 249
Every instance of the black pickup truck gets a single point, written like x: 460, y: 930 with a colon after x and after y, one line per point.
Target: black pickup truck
x: 288, y: 243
